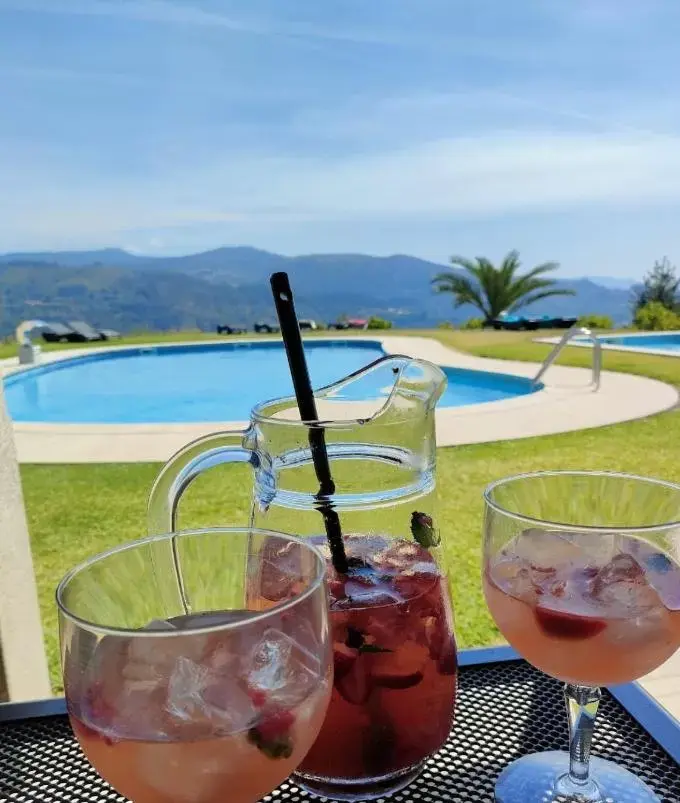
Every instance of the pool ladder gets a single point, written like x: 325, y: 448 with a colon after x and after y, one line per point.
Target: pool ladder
x: 566, y: 337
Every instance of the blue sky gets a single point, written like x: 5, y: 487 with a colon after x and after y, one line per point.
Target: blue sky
x: 427, y: 127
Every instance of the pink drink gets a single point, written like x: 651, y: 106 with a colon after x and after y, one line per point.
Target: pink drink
x: 200, y: 718
x: 586, y: 608
x: 395, y: 665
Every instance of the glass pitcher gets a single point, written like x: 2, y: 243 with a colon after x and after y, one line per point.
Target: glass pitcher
x: 391, y: 619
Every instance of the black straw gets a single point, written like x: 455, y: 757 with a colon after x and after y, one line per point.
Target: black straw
x: 292, y: 340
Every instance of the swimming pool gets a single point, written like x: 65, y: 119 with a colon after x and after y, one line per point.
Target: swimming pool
x: 652, y: 342
x: 205, y: 382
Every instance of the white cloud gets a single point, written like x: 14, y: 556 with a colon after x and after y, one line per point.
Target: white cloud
x: 448, y: 179
x: 604, y: 12
x: 168, y: 12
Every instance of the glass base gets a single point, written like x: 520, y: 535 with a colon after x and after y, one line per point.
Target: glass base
x: 360, y: 789
x: 544, y: 777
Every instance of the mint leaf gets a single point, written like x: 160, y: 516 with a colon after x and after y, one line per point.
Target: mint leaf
x: 373, y: 648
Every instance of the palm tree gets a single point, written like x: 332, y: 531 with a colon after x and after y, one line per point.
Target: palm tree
x: 497, y: 289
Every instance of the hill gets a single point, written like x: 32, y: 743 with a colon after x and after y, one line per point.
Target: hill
x: 114, y: 288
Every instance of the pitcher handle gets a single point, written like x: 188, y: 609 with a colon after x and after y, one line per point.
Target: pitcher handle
x: 183, y: 468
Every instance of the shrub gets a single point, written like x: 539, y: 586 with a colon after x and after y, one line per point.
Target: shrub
x: 473, y: 323
x: 374, y: 322
x: 654, y: 317
x: 445, y: 325
x: 596, y: 321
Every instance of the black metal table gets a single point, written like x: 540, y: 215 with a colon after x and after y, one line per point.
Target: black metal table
x: 505, y: 709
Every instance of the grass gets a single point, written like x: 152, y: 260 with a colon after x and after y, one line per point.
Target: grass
x: 75, y: 511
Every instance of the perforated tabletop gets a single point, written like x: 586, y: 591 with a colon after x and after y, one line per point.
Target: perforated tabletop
x: 505, y: 709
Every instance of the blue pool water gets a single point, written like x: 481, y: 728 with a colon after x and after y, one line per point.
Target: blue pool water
x: 669, y: 342
x: 196, y: 383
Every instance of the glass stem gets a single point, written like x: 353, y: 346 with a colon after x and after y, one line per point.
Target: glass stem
x: 582, y: 704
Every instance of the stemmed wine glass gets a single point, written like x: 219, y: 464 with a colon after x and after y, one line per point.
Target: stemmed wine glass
x: 182, y: 681
x: 581, y: 575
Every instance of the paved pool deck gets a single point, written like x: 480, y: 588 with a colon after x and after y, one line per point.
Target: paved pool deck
x: 567, y: 402
x: 664, y: 685
x: 610, y: 343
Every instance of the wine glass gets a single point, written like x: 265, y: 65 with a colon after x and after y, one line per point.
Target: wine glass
x: 182, y: 681
x: 581, y: 575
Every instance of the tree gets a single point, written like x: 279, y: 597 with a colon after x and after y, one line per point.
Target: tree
x: 497, y: 289
x: 661, y: 284
x: 654, y: 317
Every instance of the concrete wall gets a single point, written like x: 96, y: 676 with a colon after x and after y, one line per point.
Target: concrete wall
x: 23, y: 666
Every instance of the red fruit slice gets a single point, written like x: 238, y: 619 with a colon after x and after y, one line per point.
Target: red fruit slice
x: 343, y: 660
x: 355, y: 685
x: 257, y: 696
x: 401, y: 669
x: 275, y: 723
x: 99, y: 710
x: 396, y: 681
x: 571, y: 626
x: 336, y: 588
x: 271, y: 735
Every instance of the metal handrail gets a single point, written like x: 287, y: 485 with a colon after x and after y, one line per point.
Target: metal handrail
x: 566, y: 337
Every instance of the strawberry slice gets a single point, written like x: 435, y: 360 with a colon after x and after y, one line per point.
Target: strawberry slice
x: 271, y: 734
x: 355, y: 684
x: 257, y: 696
x: 397, y: 681
x: 343, y: 659
x: 401, y: 669
x: 99, y: 713
x: 275, y: 723
x: 336, y: 588
x: 570, y: 626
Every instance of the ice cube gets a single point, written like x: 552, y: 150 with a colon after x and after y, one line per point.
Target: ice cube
x: 203, y: 702
x: 150, y: 661
x: 597, y: 549
x: 365, y: 547
x: 515, y: 578
x: 662, y: 572
x: 119, y: 706
x: 359, y: 596
x: 622, y: 568
x: 544, y: 550
x: 622, y: 585
x: 417, y: 579
x: 400, y: 555
x: 282, y: 669
x: 185, y: 689
x: 281, y: 569
x: 628, y: 597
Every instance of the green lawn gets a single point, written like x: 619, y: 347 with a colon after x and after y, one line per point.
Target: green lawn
x: 75, y: 511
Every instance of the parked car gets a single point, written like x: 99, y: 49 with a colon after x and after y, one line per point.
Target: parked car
x: 263, y: 327
x: 340, y: 325
x: 226, y: 329
x: 308, y: 323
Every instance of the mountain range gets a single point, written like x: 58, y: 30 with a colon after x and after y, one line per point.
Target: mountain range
x: 113, y: 288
